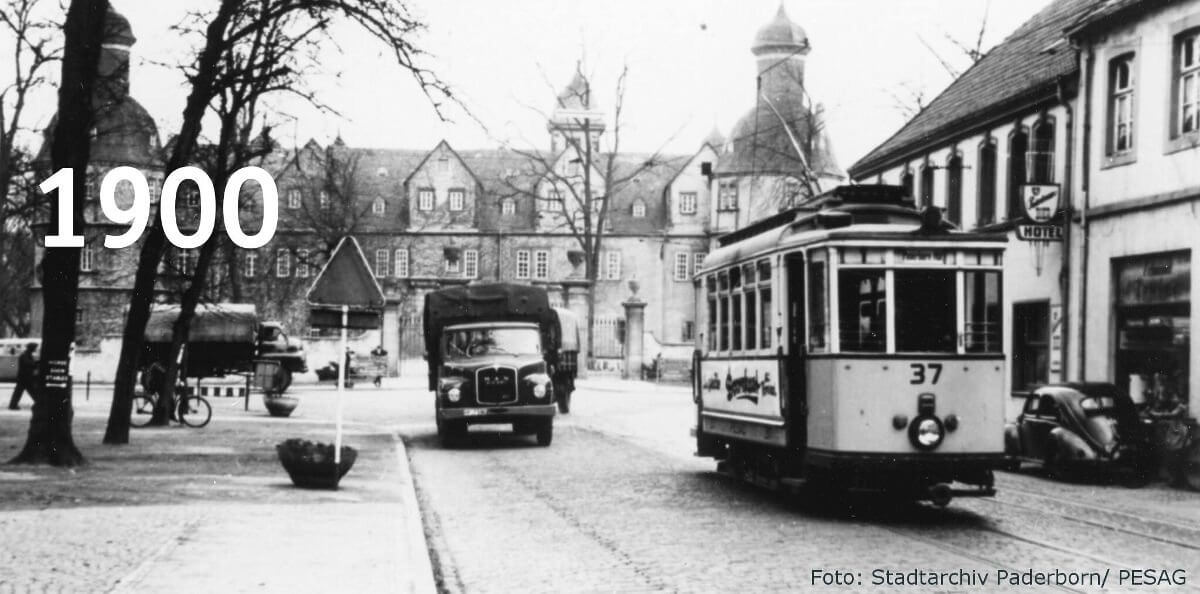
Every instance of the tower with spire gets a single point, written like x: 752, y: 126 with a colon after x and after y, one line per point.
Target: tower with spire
x: 576, y: 120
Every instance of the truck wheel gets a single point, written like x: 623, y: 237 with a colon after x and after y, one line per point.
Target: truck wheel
x: 451, y: 433
x: 545, y: 433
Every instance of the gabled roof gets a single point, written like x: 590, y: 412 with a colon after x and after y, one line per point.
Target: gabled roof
x: 1107, y: 12
x: 430, y: 154
x: 1026, y: 65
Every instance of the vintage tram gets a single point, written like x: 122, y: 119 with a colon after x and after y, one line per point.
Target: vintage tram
x: 854, y: 343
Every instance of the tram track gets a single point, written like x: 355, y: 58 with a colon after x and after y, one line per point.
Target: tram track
x: 1164, y: 526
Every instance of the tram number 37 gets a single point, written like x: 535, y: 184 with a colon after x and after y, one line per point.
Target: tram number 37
x: 925, y: 371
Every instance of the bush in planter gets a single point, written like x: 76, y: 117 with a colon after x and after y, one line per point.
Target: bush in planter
x: 311, y: 464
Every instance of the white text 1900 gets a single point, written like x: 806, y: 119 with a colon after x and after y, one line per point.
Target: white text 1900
x: 137, y: 216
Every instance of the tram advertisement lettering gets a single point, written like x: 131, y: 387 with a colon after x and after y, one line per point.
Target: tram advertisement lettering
x: 747, y: 383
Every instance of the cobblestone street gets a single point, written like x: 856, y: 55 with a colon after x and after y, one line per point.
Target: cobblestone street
x: 618, y: 503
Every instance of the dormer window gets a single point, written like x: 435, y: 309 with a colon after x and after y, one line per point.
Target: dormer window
x: 457, y: 199
x: 639, y: 209
x: 425, y: 199
x: 378, y: 207
x: 508, y: 207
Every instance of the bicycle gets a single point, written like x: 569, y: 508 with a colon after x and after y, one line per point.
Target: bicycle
x: 191, y: 409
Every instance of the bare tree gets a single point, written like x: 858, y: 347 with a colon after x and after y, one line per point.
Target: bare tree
x: 228, y: 55
x: 964, y: 54
x: 50, y: 440
x: 34, y: 50
x: 576, y: 186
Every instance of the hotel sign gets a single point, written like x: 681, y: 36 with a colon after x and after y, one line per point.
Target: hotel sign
x: 1040, y: 232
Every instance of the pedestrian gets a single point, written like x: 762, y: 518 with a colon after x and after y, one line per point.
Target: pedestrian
x: 26, y: 369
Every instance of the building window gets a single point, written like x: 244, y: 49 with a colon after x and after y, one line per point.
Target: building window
x: 293, y: 198
x: 302, y: 263
x: 508, y: 207
x: 323, y: 200
x: 402, y: 263
x: 639, y: 209
x: 541, y: 265
x: 682, y: 261
x: 926, y: 185
x: 1041, y: 153
x: 283, y: 263
x: 191, y: 196
x: 906, y: 182
x: 612, y: 265
x: 550, y: 202
x: 1120, y: 104
x: 1018, y: 145
x: 954, y: 169
x: 378, y: 207
x: 688, y: 333
x: 79, y: 315
x: 453, y: 263
x: 1031, y: 345
x: 523, y: 264
x: 185, y: 262
x: 1187, y: 82
x: 86, y: 259
x: 381, y: 263
x: 697, y: 263
x: 248, y: 269
x: 987, y: 182
x: 457, y: 199
x: 727, y: 195
x: 687, y: 203
x: 425, y: 199
x: 471, y: 263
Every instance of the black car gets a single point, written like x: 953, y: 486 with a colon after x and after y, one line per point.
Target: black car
x: 1081, y: 426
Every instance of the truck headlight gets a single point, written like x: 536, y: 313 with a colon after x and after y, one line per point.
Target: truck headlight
x: 454, y: 394
x: 539, y: 390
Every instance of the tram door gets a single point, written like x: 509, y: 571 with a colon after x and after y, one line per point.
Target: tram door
x: 794, y: 357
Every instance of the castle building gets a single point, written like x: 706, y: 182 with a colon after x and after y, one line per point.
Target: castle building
x: 436, y: 217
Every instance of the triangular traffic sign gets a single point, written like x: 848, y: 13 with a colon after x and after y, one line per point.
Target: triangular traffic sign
x: 346, y: 279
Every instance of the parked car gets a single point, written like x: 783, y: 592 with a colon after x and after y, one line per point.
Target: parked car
x: 1081, y: 426
x: 660, y: 358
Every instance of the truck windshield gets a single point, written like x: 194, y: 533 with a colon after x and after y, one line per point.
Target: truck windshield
x: 482, y: 342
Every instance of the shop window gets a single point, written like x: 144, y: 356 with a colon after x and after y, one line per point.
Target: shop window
x: 1153, y: 316
x: 1031, y: 345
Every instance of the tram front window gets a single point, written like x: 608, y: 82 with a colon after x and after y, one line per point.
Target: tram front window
x: 862, y: 311
x: 925, y: 310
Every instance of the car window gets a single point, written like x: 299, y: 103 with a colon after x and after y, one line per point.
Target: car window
x: 1047, y: 407
x: 1031, y: 405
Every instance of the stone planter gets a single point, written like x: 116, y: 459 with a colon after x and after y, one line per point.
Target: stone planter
x: 280, y: 405
x: 310, y: 465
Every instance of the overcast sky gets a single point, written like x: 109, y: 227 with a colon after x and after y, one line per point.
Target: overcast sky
x: 690, y: 66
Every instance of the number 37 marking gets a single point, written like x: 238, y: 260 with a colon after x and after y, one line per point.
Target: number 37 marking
x: 919, y: 372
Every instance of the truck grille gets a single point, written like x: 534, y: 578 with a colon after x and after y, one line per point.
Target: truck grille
x: 496, y: 385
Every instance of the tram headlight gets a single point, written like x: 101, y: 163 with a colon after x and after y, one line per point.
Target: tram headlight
x: 926, y: 432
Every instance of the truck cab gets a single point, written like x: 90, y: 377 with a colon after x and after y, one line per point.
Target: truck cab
x: 491, y: 350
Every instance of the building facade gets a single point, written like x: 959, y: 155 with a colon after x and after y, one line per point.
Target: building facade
x: 1091, y: 101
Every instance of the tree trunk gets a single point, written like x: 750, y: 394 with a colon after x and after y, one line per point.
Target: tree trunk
x: 50, y: 440
x: 132, y: 341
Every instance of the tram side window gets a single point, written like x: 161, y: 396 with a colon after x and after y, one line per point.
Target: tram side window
x: 711, y: 283
x: 734, y: 321
x: 818, y: 313
x: 764, y: 304
x: 862, y: 311
x: 723, y: 321
x: 925, y: 311
x: 748, y: 281
x: 983, y: 311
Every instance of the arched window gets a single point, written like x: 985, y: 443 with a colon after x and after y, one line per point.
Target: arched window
x: 1041, y: 152
x: 926, y: 185
x: 954, y: 168
x: 906, y: 182
x: 986, y: 212
x: 1018, y: 146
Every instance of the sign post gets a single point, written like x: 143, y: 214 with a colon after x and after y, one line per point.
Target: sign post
x: 345, y: 295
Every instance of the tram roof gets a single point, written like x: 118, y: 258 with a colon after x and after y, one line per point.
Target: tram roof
x: 871, y: 213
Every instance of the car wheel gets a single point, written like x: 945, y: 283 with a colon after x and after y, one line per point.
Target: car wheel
x: 545, y: 433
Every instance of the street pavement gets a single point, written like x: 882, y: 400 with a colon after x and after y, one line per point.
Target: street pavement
x: 616, y: 504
